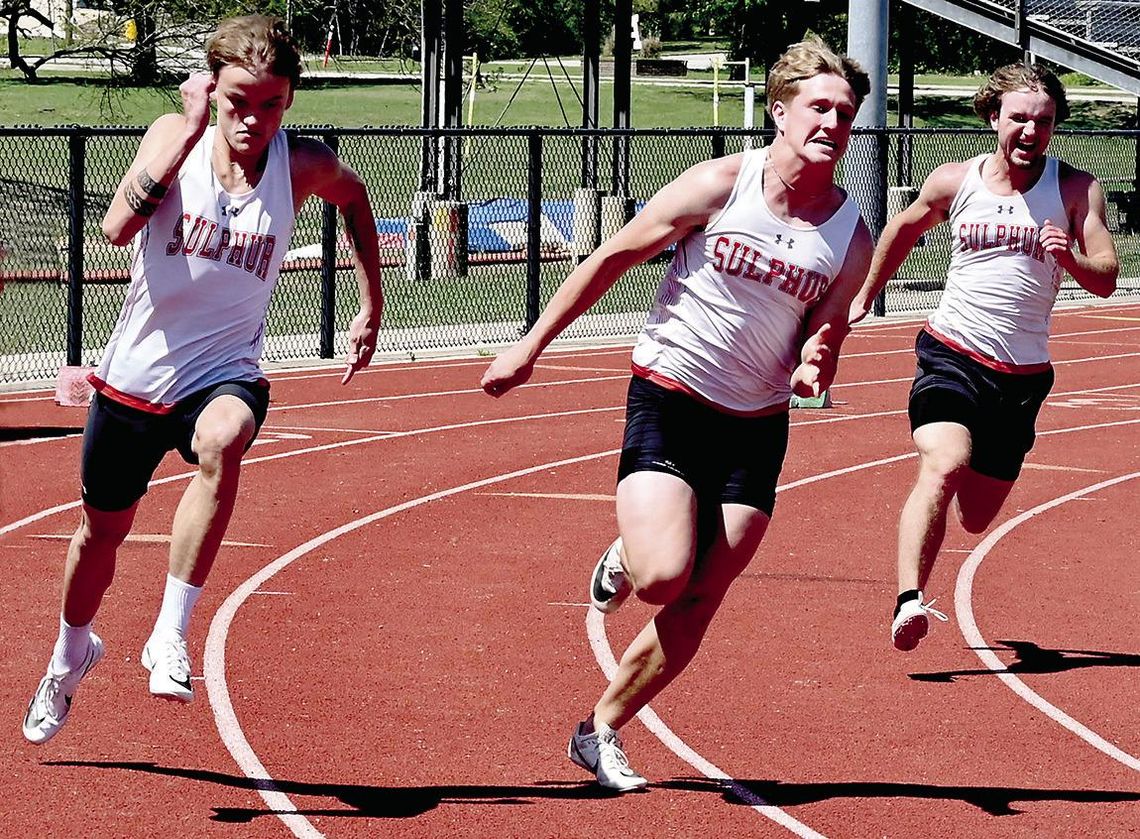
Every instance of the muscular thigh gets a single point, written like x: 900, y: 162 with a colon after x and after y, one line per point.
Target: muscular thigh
x: 1009, y: 429
x: 730, y: 552
x: 220, y: 414
x: 122, y: 447
x: 723, y: 459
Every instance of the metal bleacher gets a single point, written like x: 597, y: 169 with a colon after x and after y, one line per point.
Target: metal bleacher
x: 1100, y: 38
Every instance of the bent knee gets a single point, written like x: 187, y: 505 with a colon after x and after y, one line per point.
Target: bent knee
x: 659, y: 586
x: 975, y: 521
x: 221, y: 445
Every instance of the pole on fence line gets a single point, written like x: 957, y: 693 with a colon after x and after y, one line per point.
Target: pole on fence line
x: 328, y: 268
x: 533, y: 227
x: 623, y: 56
x: 77, y: 148
x: 867, y: 28
x: 717, y: 140
x: 590, y: 102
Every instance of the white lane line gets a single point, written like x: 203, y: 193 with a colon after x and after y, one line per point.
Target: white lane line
x: 963, y: 609
x: 402, y: 397
x: 214, y: 658
x: 71, y: 505
x: 599, y: 643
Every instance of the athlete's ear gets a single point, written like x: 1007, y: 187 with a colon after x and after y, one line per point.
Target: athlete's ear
x: 289, y: 101
x: 779, y: 113
x: 994, y: 118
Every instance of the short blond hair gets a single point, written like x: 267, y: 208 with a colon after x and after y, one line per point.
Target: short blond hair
x: 807, y: 59
x: 255, y: 42
x: 1012, y: 77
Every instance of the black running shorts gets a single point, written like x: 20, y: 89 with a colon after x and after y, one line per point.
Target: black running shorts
x: 122, y: 446
x: 726, y: 459
x: 999, y: 409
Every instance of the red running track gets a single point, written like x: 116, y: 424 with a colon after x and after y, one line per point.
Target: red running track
x: 395, y: 641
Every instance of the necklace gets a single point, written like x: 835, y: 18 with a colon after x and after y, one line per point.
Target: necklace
x: 790, y: 188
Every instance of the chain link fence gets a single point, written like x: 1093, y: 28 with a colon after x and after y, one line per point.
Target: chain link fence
x: 477, y: 228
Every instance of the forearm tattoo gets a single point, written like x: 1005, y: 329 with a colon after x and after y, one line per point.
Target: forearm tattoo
x: 137, y: 203
x: 150, y: 186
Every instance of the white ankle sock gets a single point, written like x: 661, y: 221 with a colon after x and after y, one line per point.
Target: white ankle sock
x: 70, y: 646
x: 177, y: 603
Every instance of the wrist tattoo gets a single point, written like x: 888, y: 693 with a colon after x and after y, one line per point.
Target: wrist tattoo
x: 137, y: 203
x: 150, y: 186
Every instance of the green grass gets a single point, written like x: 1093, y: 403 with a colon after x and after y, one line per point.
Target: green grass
x: 503, y: 101
x: 33, y: 199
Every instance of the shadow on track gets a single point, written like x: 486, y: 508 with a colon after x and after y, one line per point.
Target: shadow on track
x: 377, y: 802
x: 996, y: 801
x: 1032, y: 659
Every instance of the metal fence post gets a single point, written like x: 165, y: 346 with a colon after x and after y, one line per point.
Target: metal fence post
x: 533, y: 226
x: 77, y: 147
x: 328, y: 267
x: 717, y: 144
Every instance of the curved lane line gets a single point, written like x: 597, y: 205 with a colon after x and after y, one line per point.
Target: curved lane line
x: 596, y: 631
x: 963, y: 609
x: 214, y: 659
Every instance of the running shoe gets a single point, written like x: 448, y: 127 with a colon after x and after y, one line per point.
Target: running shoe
x: 911, y: 623
x: 609, y: 584
x: 168, y: 661
x: 602, y: 754
x: 48, y: 710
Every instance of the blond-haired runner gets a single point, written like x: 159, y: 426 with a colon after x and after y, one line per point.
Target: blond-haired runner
x: 210, y: 210
x: 769, y: 252
x: 983, y: 358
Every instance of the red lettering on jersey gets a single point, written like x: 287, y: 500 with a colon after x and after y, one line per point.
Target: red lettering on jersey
x: 223, y: 243
x: 813, y: 287
x: 775, y: 269
x: 194, y: 236
x: 731, y: 269
x: 999, y: 237
x: 175, y: 244
x: 237, y: 249
x: 256, y: 240
x: 266, y: 257
x: 206, y: 252
x: 750, y: 272
x: 792, y: 280
x: 718, y: 252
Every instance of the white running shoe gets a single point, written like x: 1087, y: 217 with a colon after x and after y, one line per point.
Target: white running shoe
x: 602, y: 754
x: 168, y: 660
x: 609, y: 584
x: 48, y: 710
x: 911, y: 623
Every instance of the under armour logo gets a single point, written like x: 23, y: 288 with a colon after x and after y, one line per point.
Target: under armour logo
x: 780, y: 240
x: 1005, y: 208
x: 231, y: 209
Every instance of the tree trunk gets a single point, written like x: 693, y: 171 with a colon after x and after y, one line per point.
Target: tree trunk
x: 15, y: 60
x: 144, y: 58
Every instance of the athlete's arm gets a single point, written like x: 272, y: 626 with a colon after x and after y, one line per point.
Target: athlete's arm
x: 161, y: 153
x: 685, y: 204
x: 1095, y: 265
x: 316, y: 170
x: 826, y: 325
x: 931, y: 207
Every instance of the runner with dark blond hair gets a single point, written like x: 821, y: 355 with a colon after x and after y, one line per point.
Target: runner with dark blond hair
x: 1019, y: 220
x: 209, y: 211
x: 753, y: 308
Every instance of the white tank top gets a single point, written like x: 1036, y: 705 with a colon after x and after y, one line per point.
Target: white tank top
x: 727, y: 323
x: 203, y: 271
x: 1001, y: 285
